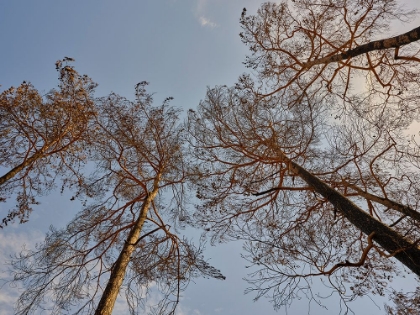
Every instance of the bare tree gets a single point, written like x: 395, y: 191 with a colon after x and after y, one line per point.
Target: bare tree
x: 404, y: 304
x: 43, y: 137
x: 311, y: 197
x: 121, y: 243
x: 332, y: 48
x: 311, y: 162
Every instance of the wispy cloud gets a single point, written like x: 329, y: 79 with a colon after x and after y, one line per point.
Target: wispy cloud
x: 11, y: 243
x: 206, y: 22
x: 200, y: 13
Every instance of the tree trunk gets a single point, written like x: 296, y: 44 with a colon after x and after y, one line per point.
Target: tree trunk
x: 392, y: 242
x: 12, y: 173
x: 37, y: 155
x: 393, y: 42
x: 406, y: 210
x: 106, y: 304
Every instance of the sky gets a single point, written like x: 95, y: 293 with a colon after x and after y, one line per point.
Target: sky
x: 181, y: 47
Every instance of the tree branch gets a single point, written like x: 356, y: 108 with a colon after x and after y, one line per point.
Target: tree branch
x: 393, y: 42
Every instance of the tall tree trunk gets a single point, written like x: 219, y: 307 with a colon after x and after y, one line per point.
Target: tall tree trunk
x: 406, y: 210
x: 37, y: 155
x: 391, y: 241
x: 107, y: 302
x: 12, y: 173
x: 393, y: 42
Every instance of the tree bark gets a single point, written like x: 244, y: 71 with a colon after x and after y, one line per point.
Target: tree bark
x: 406, y: 210
x: 107, y: 302
x: 37, y: 155
x: 12, y: 173
x: 393, y: 42
x: 392, y: 242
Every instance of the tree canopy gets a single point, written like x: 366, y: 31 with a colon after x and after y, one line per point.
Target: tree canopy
x: 121, y: 241
x: 43, y: 138
x: 310, y: 160
x: 318, y: 172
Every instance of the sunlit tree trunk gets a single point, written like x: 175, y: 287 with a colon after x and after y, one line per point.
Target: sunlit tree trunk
x: 393, y: 42
x: 12, y: 173
x: 106, y: 304
x: 37, y: 155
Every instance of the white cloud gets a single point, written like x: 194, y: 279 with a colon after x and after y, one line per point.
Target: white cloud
x: 11, y: 243
x: 8, y: 299
x: 200, y: 13
x: 206, y: 22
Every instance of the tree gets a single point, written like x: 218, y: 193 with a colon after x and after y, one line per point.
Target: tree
x: 121, y: 243
x: 43, y: 137
x: 405, y: 304
x: 332, y: 48
x: 315, y: 196
x: 301, y: 224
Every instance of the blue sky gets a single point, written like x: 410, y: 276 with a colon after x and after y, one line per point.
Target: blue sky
x: 180, y: 47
